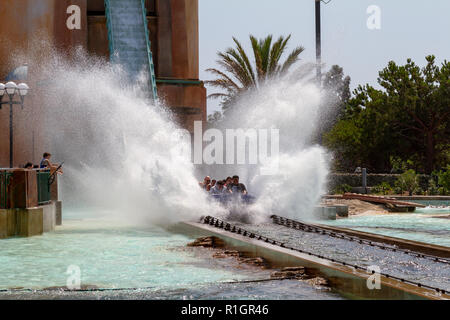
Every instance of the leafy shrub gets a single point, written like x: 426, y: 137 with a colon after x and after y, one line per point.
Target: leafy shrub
x: 408, y: 181
x: 419, y: 191
x: 444, y: 180
x: 400, y: 166
x: 383, y: 188
x: 343, y: 188
x: 432, y: 188
x: 397, y: 189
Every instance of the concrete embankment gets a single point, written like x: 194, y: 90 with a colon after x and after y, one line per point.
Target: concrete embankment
x: 29, y: 222
x: 420, y: 247
x: 347, y: 280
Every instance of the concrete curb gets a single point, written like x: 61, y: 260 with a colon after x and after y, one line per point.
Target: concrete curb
x: 348, y: 281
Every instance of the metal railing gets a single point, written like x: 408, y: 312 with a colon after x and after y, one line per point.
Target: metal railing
x: 109, y: 9
x: 43, y: 186
x: 5, y: 179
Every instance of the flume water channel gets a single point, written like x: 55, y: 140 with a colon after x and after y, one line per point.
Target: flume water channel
x: 429, y: 225
x: 113, y: 256
x: 125, y: 180
x: 393, y: 263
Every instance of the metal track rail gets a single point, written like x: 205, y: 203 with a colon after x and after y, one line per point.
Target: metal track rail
x: 297, y: 225
x: 215, y: 222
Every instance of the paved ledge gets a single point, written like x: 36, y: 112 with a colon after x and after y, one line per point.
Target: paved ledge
x: 348, y: 281
x: 426, y: 248
x: 443, y: 198
x: 31, y: 221
x: 398, y: 197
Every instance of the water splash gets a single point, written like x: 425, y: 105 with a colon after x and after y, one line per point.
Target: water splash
x: 294, y: 107
x: 120, y: 153
x: 122, y: 157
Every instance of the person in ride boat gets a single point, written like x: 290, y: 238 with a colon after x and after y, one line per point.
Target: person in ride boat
x: 213, y: 183
x: 226, y: 188
x: 218, y: 188
x: 228, y: 182
x: 237, y: 187
x: 205, y: 182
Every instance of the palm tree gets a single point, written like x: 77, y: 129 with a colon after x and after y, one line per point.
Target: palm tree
x: 242, y: 76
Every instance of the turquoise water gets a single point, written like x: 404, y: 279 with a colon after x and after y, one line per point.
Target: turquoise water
x: 435, y: 203
x: 147, y: 262
x: 430, y: 225
x: 108, y: 254
x: 144, y: 262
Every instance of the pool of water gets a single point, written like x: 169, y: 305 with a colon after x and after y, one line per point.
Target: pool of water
x: 429, y: 225
x: 136, y: 262
x: 434, y: 203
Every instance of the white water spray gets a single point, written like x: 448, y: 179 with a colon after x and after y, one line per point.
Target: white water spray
x: 121, y: 156
x: 293, y: 107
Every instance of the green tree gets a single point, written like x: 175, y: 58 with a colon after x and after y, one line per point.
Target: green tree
x: 214, y: 118
x: 419, y: 103
x: 408, y: 118
x: 337, y: 87
x: 359, y: 138
x: 240, y: 75
x: 444, y: 179
x: 336, y: 93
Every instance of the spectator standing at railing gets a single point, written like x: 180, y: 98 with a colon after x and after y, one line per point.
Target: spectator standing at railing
x: 46, y: 164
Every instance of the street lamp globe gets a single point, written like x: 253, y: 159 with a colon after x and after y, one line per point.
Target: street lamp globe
x: 2, y: 89
x: 23, y: 89
x: 11, y: 88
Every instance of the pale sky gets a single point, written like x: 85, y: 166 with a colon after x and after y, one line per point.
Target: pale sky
x: 409, y: 29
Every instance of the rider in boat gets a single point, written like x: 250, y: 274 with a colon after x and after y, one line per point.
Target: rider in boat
x: 218, y: 188
x: 205, y: 182
x: 237, y: 187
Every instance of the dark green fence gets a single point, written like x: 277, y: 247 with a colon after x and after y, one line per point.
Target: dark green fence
x: 5, y: 178
x: 43, y: 186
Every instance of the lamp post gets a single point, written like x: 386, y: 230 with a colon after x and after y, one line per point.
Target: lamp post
x: 318, y: 44
x: 319, y: 41
x: 10, y: 89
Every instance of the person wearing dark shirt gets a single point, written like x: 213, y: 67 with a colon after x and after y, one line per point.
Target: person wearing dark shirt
x: 237, y: 187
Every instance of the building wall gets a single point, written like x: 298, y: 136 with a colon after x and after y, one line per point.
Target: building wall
x: 177, y: 38
x: 173, y: 26
x: 24, y: 26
